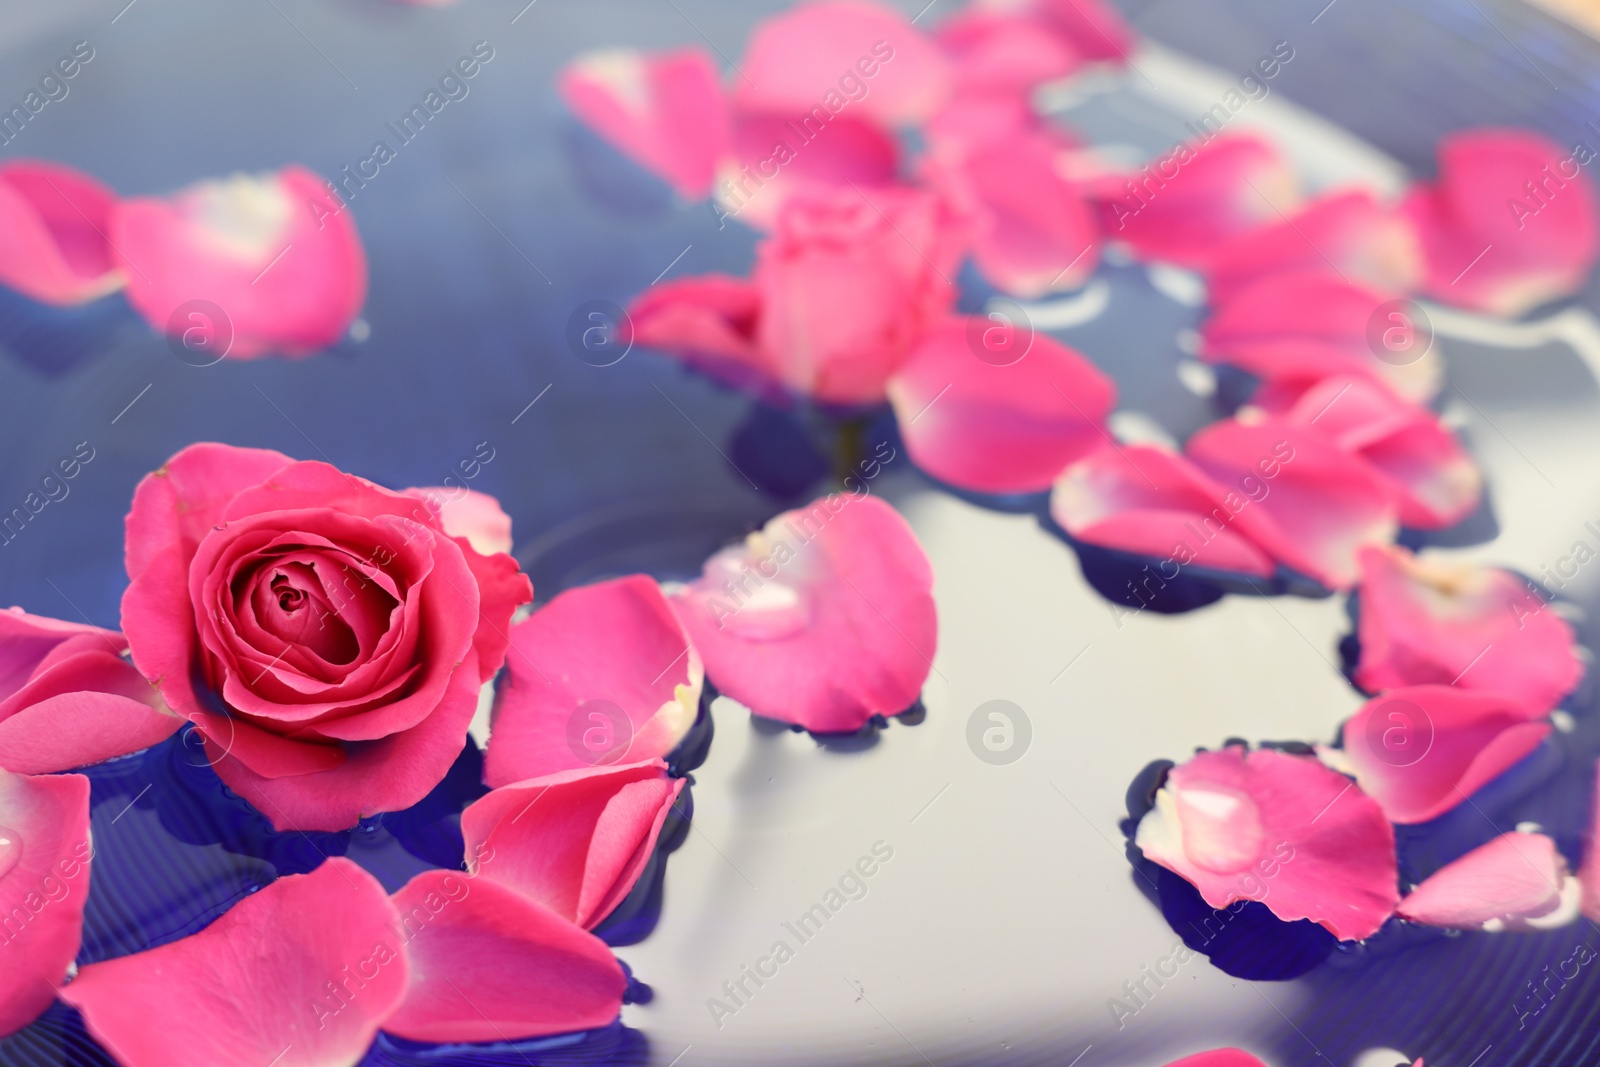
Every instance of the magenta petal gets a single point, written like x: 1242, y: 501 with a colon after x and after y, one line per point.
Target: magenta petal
x: 1221, y: 1057
x: 1421, y: 750
x: 823, y: 618
x: 1327, y: 502
x: 178, y: 505
x: 1510, y: 222
x: 488, y: 964
x: 366, y: 778
x: 80, y: 727
x: 780, y: 156
x: 44, y: 881
x: 466, y: 513
x: 589, y: 654
x: 1434, y: 482
x: 1186, y: 206
x: 1093, y: 28
x: 1278, y: 828
x: 666, y: 110
x: 992, y: 428
x: 1359, y: 238
x: 1295, y: 329
x: 849, y: 282
x: 710, y: 323
x: 575, y: 841
x: 1033, y: 231
x: 68, y: 698
x: 1515, y: 877
x: 299, y: 975
x: 276, y: 256
x: 53, y: 223
x: 843, y: 56
x: 1476, y: 628
x: 1150, y: 501
x: 1589, y: 873
x: 1003, y: 52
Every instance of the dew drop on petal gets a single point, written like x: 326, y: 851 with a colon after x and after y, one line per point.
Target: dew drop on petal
x: 10, y: 850
x: 1221, y: 827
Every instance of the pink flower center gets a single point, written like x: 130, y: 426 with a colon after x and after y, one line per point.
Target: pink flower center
x: 295, y: 609
x: 1221, y: 827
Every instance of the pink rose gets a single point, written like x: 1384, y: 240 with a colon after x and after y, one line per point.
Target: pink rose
x: 848, y: 285
x: 68, y: 698
x: 327, y: 637
x: 843, y: 290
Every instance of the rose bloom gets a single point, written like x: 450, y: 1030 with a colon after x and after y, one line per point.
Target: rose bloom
x: 327, y: 637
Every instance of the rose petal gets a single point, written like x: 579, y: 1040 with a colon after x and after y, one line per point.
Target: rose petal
x: 180, y: 503
x: 779, y: 156
x: 1232, y: 821
x: 1516, y: 876
x: 1326, y: 501
x: 709, y: 322
x: 370, y: 777
x: 996, y: 51
x: 993, y: 428
x: 82, y: 708
x: 575, y: 841
x: 1295, y: 329
x: 616, y: 643
x: 488, y: 964
x: 53, y: 222
x: 816, y: 58
x: 1433, y: 480
x: 824, y: 618
x: 1350, y: 231
x: 1222, y: 1057
x: 848, y: 284
x: 1152, y: 502
x: 1476, y: 628
x: 301, y: 975
x: 665, y: 110
x: 471, y: 515
x: 276, y: 255
x: 1093, y: 28
x: 502, y: 589
x: 1421, y: 750
x: 1033, y: 231
x: 1589, y: 873
x: 1510, y: 222
x: 44, y: 881
x: 1186, y: 206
